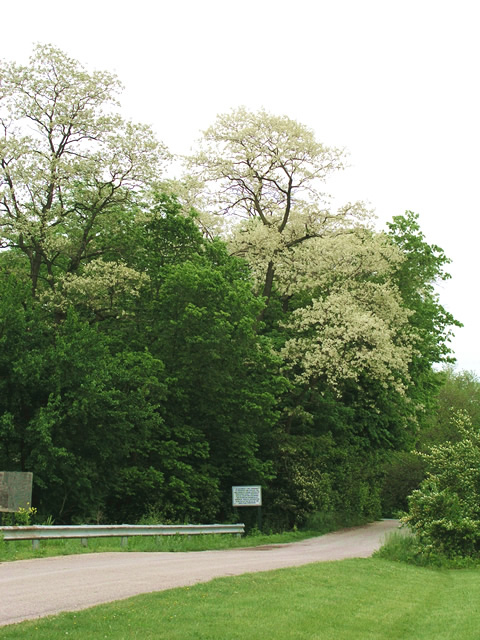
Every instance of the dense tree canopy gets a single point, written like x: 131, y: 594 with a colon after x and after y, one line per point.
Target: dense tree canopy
x: 151, y: 358
x: 163, y: 405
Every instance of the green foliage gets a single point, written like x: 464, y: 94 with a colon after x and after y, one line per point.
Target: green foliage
x: 404, y: 470
x: 403, y: 473
x: 458, y: 392
x: 91, y: 412
x: 145, y: 368
x: 25, y: 515
x: 198, y: 314
x: 422, y: 268
x: 444, y: 513
x: 403, y: 547
x: 337, y: 481
x: 162, y: 407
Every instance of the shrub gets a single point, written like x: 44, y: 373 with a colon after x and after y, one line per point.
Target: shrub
x: 401, y: 547
x: 444, y: 513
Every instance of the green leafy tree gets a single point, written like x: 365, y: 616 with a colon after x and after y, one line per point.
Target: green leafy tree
x: 452, y: 393
x: 198, y: 314
x: 423, y: 267
x: 163, y: 400
x: 417, y: 275
x: 23, y: 367
x: 72, y: 412
x: 352, y: 313
x: 459, y: 392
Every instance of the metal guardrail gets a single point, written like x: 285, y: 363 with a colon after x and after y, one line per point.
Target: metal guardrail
x: 85, y: 531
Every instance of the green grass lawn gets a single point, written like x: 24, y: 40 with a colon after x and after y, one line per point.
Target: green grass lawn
x: 366, y: 599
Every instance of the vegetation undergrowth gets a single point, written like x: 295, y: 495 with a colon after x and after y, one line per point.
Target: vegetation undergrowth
x: 365, y: 599
x: 402, y: 546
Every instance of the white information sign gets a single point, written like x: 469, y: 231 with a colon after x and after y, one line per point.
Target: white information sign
x: 247, y: 496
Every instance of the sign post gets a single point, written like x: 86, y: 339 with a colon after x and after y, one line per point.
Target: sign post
x: 248, y: 496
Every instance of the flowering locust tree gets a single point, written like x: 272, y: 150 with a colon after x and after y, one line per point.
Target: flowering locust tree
x: 266, y: 170
x: 345, y: 307
x: 266, y: 175
x: 68, y: 161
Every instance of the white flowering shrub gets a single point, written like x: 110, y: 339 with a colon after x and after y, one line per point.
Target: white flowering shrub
x: 444, y: 512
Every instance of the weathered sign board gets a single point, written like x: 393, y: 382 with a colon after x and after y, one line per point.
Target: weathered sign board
x: 250, y: 496
x: 15, y: 490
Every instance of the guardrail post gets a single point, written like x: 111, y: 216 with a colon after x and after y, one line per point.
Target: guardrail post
x: 124, y: 541
x: 35, y: 544
x: 84, y: 542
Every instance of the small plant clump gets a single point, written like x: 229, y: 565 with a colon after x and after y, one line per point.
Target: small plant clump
x: 25, y: 515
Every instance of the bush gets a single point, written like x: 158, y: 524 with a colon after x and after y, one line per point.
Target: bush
x: 402, y: 547
x: 444, y: 513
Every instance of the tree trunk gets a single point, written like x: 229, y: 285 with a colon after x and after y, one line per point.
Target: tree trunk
x: 267, y: 288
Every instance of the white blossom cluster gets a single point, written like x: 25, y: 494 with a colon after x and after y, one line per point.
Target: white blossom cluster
x: 101, y: 288
x: 352, y: 332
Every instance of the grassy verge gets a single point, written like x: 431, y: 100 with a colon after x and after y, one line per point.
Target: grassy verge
x: 369, y: 599
x: 402, y: 547
x: 22, y: 549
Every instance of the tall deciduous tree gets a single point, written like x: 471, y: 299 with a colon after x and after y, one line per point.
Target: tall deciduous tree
x: 163, y: 400
x: 344, y: 319
x: 331, y: 308
x: 423, y: 267
x: 67, y: 160
x: 198, y: 314
x: 267, y: 171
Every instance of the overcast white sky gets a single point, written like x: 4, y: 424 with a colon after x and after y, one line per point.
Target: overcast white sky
x: 396, y: 83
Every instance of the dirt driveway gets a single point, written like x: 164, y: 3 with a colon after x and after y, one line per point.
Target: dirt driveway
x: 45, y: 586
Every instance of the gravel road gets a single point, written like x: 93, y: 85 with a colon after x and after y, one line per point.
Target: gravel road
x: 46, y: 586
